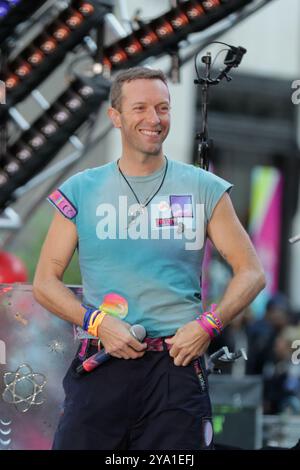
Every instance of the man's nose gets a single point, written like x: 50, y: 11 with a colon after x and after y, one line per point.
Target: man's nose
x: 152, y: 116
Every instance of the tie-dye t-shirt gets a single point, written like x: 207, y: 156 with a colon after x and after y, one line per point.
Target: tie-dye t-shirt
x: 152, y: 256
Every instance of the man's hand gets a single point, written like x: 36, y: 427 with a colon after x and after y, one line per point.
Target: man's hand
x: 117, y: 339
x: 189, y: 342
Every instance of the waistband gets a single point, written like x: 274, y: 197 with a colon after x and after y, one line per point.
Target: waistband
x: 153, y: 344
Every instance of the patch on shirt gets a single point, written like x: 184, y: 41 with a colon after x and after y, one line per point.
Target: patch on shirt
x: 170, y: 222
x: 59, y: 200
x: 175, y: 212
x: 181, y: 206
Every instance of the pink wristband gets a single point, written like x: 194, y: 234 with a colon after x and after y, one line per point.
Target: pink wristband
x: 205, y: 326
x: 216, y: 317
x: 210, y: 322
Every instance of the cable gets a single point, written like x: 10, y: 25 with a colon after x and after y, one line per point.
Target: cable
x: 222, y: 50
x: 195, y: 64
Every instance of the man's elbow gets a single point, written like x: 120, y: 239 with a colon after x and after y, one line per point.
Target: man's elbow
x: 37, y: 289
x: 260, y: 279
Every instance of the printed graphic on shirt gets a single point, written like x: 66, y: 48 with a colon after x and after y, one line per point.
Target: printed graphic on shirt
x: 173, y: 211
x: 59, y: 200
x: 155, y: 222
x: 181, y: 206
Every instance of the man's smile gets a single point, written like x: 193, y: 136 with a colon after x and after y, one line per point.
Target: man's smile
x: 150, y: 133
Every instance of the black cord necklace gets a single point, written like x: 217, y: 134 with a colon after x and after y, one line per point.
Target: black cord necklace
x: 148, y: 199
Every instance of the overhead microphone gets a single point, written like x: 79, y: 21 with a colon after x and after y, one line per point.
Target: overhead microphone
x: 234, y: 56
x: 137, y: 331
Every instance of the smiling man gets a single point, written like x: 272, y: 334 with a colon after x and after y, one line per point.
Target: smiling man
x: 142, y: 112
x: 150, y: 395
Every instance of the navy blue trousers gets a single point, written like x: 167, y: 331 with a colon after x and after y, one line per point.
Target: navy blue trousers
x: 136, y: 404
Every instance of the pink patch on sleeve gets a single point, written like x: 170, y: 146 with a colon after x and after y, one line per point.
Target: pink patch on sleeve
x: 60, y: 201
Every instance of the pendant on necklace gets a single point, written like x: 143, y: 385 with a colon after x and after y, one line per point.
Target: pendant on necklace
x: 135, y: 215
x: 138, y: 211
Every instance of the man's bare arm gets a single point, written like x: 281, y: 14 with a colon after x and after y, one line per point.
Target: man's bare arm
x: 233, y: 243
x: 50, y: 291
x: 48, y: 287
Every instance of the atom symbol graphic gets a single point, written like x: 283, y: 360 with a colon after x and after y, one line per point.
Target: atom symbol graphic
x: 23, y: 387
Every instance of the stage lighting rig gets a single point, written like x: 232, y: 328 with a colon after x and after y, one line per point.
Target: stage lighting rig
x: 36, y: 147
x: 47, y: 50
x: 162, y: 35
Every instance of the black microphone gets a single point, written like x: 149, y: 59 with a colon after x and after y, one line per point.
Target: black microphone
x: 234, y: 56
x: 137, y: 331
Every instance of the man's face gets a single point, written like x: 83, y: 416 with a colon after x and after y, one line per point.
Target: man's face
x: 144, y: 118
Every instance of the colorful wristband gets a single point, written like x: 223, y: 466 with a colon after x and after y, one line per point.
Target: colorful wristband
x: 87, y: 316
x: 211, y: 322
x: 216, y: 317
x: 95, y: 321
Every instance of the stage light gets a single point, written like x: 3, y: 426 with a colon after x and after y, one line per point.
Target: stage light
x: 116, y: 55
x: 147, y: 37
x: 178, y: 19
x: 6, y: 6
x: 73, y: 19
x: 11, y: 166
x: 34, y: 139
x: 86, y: 9
x: 211, y: 4
x: 47, y: 44
x: 14, y: 12
x: 11, y: 81
x: 21, y: 68
x: 4, y: 9
x: 59, y: 114
x: 22, y: 151
x: 193, y: 10
x: 34, y: 56
x: 47, y: 126
x: 162, y: 28
x: 132, y: 46
x: 60, y: 31
x: 72, y: 102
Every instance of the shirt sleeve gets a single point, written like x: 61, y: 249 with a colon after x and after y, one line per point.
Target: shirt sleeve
x: 65, y: 198
x: 214, y: 189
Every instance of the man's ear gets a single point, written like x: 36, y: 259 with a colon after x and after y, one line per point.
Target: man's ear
x: 114, y: 116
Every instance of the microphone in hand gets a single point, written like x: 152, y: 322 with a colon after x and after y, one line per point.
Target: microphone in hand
x: 137, y: 331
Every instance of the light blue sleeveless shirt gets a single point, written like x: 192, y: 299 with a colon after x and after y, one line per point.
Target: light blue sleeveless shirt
x: 153, y: 257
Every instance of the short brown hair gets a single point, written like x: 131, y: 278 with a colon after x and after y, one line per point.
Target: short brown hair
x: 134, y: 73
